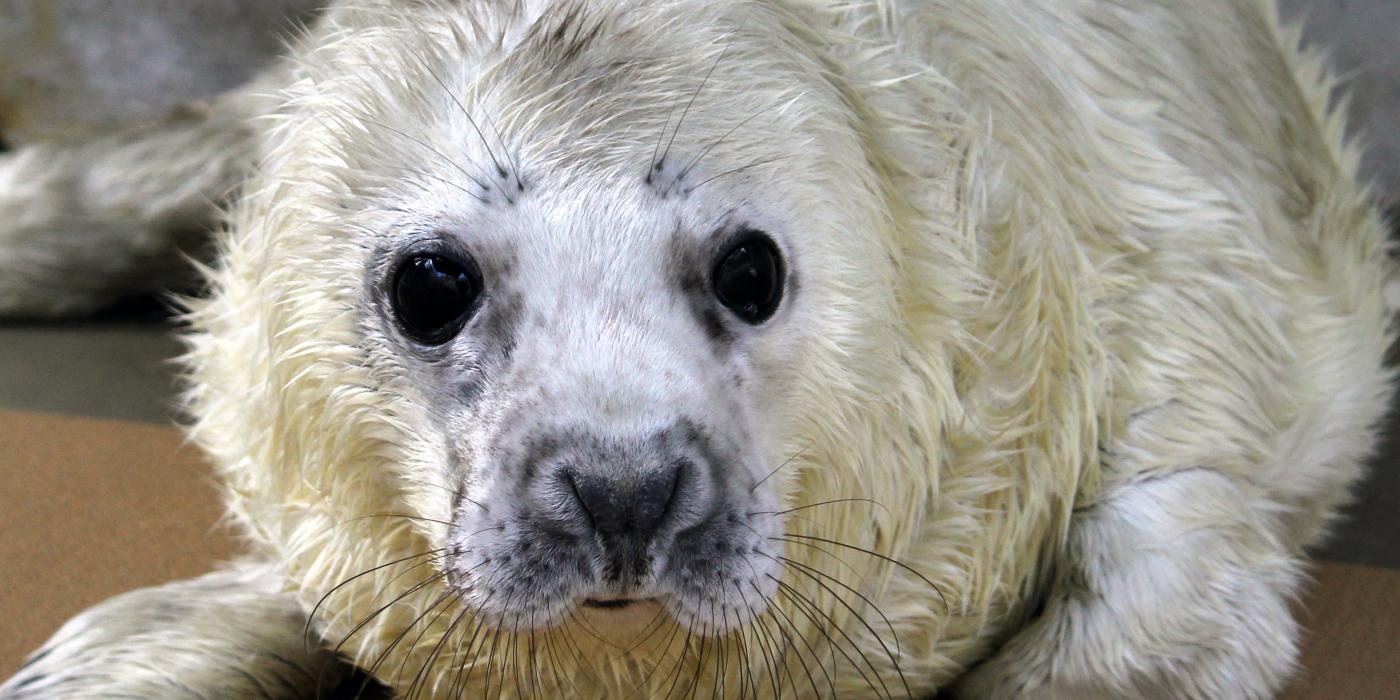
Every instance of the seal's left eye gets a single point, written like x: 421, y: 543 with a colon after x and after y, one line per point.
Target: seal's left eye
x: 749, y: 278
x: 433, y: 296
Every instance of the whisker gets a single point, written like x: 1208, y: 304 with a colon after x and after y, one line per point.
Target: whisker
x: 580, y: 659
x: 665, y: 650
x: 815, y: 656
x: 809, y: 573
x: 423, y: 673
x: 877, y: 555
x: 513, y: 653
x: 744, y: 598
x: 788, y: 645
x: 443, y: 156
x: 552, y: 649
x: 489, y: 151
x: 656, y: 164
x: 732, y: 171
x: 467, y: 613
x: 703, y: 82
x: 658, y: 621
x: 505, y: 149
x: 839, y: 560
x: 306, y: 633
x: 694, y: 682
x: 680, y: 661
x: 770, y: 662
x: 684, y: 171
x: 396, y: 515
x: 780, y: 466
x: 823, y: 503
x: 384, y: 655
x: 462, y: 676
x: 377, y: 612
x: 453, y: 185
x: 802, y: 603
x: 491, y: 657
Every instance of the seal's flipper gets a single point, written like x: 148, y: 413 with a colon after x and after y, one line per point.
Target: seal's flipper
x: 82, y: 226
x: 229, y: 634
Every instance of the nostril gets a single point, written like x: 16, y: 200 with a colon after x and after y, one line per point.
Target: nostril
x: 578, y: 496
x: 656, y: 496
x: 606, y: 507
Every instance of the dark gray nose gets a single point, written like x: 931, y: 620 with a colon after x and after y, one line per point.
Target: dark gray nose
x: 631, y: 507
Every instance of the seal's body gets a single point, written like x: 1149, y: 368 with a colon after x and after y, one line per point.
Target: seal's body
x: 773, y: 349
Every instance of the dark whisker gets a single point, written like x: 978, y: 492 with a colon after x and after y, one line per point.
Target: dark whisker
x: 384, y: 655
x: 694, y: 161
x: 513, y: 653
x: 680, y: 661
x: 665, y: 649
x: 462, y: 675
x: 806, y: 602
x: 811, y: 570
x: 656, y: 623
x: 421, y: 675
x: 491, y: 657
x: 447, y: 182
x: 571, y: 645
x: 423, y: 671
x: 489, y: 151
x: 656, y: 150
x: 376, y: 613
x: 780, y: 466
x: 745, y: 600
x: 505, y: 150
x: 811, y: 573
x: 823, y: 503
x: 877, y: 555
x: 443, y: 156
x: 306, y: 633
x: 770, y: 661
x: 396, y: 515
x: 773, y: 613
x: 815, y: 656
x: 694, y: 681
x: 732, y: 171
x: 705, y: 80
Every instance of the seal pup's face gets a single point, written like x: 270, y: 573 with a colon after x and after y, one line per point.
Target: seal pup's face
x: 594, y: 311
x: 588, y: 349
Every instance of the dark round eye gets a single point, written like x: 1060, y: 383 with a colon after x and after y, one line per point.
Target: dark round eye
x: 749, y: 278
x: 433, y: 296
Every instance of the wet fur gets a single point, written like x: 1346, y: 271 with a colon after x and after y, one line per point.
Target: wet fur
x: 1088, y: 306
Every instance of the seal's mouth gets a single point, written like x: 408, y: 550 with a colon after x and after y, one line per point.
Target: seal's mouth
x: 613, y: 603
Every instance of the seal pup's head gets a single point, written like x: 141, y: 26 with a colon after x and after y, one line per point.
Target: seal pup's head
x: 538, y: 316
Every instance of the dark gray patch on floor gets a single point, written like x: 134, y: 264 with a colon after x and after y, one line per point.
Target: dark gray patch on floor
x: 1371, y: 525
x: 1371, y: 529
x: 117, y: 366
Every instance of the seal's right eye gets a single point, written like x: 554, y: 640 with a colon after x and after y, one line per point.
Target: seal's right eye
x: 433, y: 295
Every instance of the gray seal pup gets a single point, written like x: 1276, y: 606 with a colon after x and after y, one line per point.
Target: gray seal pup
x: 755, y: 349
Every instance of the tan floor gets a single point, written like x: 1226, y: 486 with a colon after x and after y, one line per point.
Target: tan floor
x: 94, y: 507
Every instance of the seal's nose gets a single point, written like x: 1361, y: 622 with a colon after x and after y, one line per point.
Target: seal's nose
x: 632, y: 507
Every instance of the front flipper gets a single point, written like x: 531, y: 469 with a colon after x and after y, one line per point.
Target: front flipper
x: 1175, y: 586
x: 228, y: 634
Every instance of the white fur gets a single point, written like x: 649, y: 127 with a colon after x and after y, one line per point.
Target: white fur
x: 1091, y: 306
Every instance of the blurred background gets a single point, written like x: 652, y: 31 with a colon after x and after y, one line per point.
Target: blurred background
x: 86, y: 446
